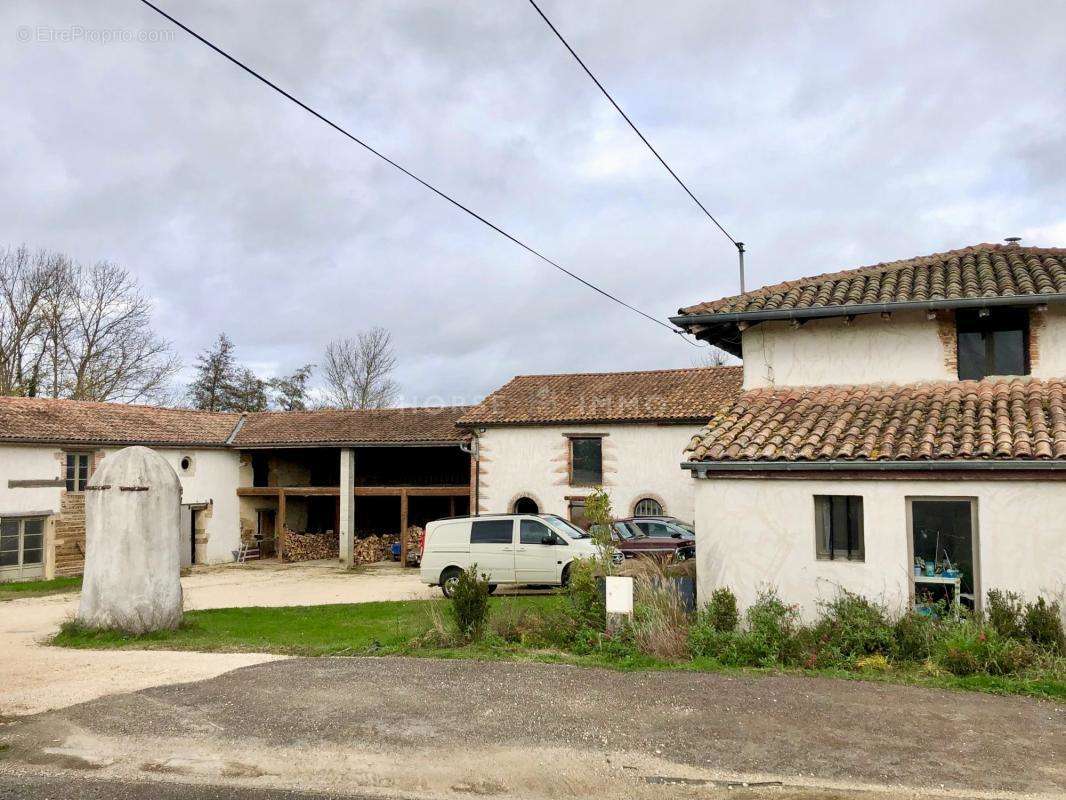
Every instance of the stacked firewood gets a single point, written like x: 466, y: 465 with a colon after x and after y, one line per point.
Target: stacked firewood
x: 414, y: 540
x: 371, y: 549
x: 310, y: 546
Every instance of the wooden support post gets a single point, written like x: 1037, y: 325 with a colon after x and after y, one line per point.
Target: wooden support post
x: 347, y: 508
x: 279, y: 535
x: 451, y: 506
x: 403, y: 528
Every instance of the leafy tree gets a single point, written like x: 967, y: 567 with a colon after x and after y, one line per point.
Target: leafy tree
x: 290, y: 391
x: 216, y: 371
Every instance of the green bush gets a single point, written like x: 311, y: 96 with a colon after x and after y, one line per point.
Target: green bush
x: 470, y: 603
x: 585, y: 594
x: 852, y: 627
x: 1043, y: 625
x: 913, y: 637
x: 969, y: 648
x: 721, y: 612
x: 769, y: 637
x: 1006, y: 613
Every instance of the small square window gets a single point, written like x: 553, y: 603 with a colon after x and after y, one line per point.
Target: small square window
x: 992, y: 342
x: 77, y: 471
x: 839, y: 527
x: 586, y: 461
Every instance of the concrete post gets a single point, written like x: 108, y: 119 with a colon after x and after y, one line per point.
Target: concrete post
x: 347, y: 508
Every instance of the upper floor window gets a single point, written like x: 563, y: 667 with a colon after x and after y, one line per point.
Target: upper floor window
x: 992, y: 342
x: 586, y: 461
x: 77, y: 472
x: 838, y: 522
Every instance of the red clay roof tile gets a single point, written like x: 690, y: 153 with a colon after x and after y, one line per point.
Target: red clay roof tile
x: 1000, y: 418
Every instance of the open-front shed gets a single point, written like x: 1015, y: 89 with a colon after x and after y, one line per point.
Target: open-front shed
x: 324, y: 479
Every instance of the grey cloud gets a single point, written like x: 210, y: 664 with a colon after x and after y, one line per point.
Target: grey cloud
x: 824, y: 135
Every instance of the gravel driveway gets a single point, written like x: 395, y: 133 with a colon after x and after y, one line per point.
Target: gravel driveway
x: 35, y: 678
x: 436, y: 728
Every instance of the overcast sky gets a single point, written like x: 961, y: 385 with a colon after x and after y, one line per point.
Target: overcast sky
x: 825, y: 135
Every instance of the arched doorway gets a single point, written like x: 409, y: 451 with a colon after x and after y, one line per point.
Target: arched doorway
x: 526, y: 505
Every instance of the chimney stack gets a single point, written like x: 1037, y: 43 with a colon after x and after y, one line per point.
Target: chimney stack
x: 1013, y: 240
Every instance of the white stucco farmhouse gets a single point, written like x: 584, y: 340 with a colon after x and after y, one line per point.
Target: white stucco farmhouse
x: 902, y: 427
x: 544, y: 442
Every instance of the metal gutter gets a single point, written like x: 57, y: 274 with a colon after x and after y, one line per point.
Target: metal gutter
x: 701, y: 468
x: 682, y: 320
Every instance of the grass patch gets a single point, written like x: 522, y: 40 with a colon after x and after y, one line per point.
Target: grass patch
x: 406, y: 628
x: 328, y: 630
x: 19, y: 589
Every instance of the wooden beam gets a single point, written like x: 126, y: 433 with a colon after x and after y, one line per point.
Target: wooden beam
x: 279, y: 535
x: 360, y: 491
x: 403, y: 528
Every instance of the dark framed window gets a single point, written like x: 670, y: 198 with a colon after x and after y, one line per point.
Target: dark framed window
x: 586, y: 461
x: 492, y: 531
x: 532, y: 532
x: 992, y: 342
x: 21, y: 541
x: 77, y: 473
x: 838, y: 525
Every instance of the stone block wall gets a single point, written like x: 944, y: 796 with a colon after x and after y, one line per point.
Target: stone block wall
x: 70, y: 534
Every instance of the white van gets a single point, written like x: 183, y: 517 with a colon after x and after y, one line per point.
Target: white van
x: 530, y: 549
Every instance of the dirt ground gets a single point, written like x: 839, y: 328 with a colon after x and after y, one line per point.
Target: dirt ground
x: 35, y: 678
x: 396, y: 727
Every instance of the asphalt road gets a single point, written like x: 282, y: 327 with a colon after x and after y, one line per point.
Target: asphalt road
x: 464, y: 727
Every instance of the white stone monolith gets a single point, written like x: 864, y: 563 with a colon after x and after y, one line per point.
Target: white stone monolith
x: 132, y: 525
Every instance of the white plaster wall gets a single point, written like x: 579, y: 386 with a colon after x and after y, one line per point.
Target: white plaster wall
x: 904, y: 349
x: 753, y: 533
x: 1048, y: 331
x: 639, y: 461
x: 212, y: 479
x: 19, y: 462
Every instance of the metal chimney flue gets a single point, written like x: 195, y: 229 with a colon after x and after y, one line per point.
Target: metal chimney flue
x: 1013, y: 240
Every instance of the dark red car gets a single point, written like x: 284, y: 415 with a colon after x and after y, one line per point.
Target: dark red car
x: 632, y: 542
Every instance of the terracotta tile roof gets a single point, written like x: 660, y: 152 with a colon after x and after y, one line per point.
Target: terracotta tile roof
x: 676, y: 395
x: 1004, y: 419
x: 36, y: 419
x: 980, y: 271
x: 333, y: 426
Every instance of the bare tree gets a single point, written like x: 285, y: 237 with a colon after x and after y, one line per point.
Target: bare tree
x: 71, y: 331
x: 358, y: 373
x: 110, y: 350
x: 713, y: 357
x: 24, y: 279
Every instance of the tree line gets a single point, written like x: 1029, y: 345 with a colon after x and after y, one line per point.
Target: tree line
x: 85, y: 333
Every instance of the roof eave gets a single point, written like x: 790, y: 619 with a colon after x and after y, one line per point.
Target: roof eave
x: 65, y: 442
x: 700, y: 419
x: 700, y: 468
x: 711, y: 318
x: 290, y: 445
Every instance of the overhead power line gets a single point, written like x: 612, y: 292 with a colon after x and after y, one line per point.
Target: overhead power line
x: 643, y: 138
x: 234, y: 60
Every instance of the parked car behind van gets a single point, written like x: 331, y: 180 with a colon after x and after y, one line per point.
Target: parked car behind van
x: 633, y: 542
x: 524, y: 549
